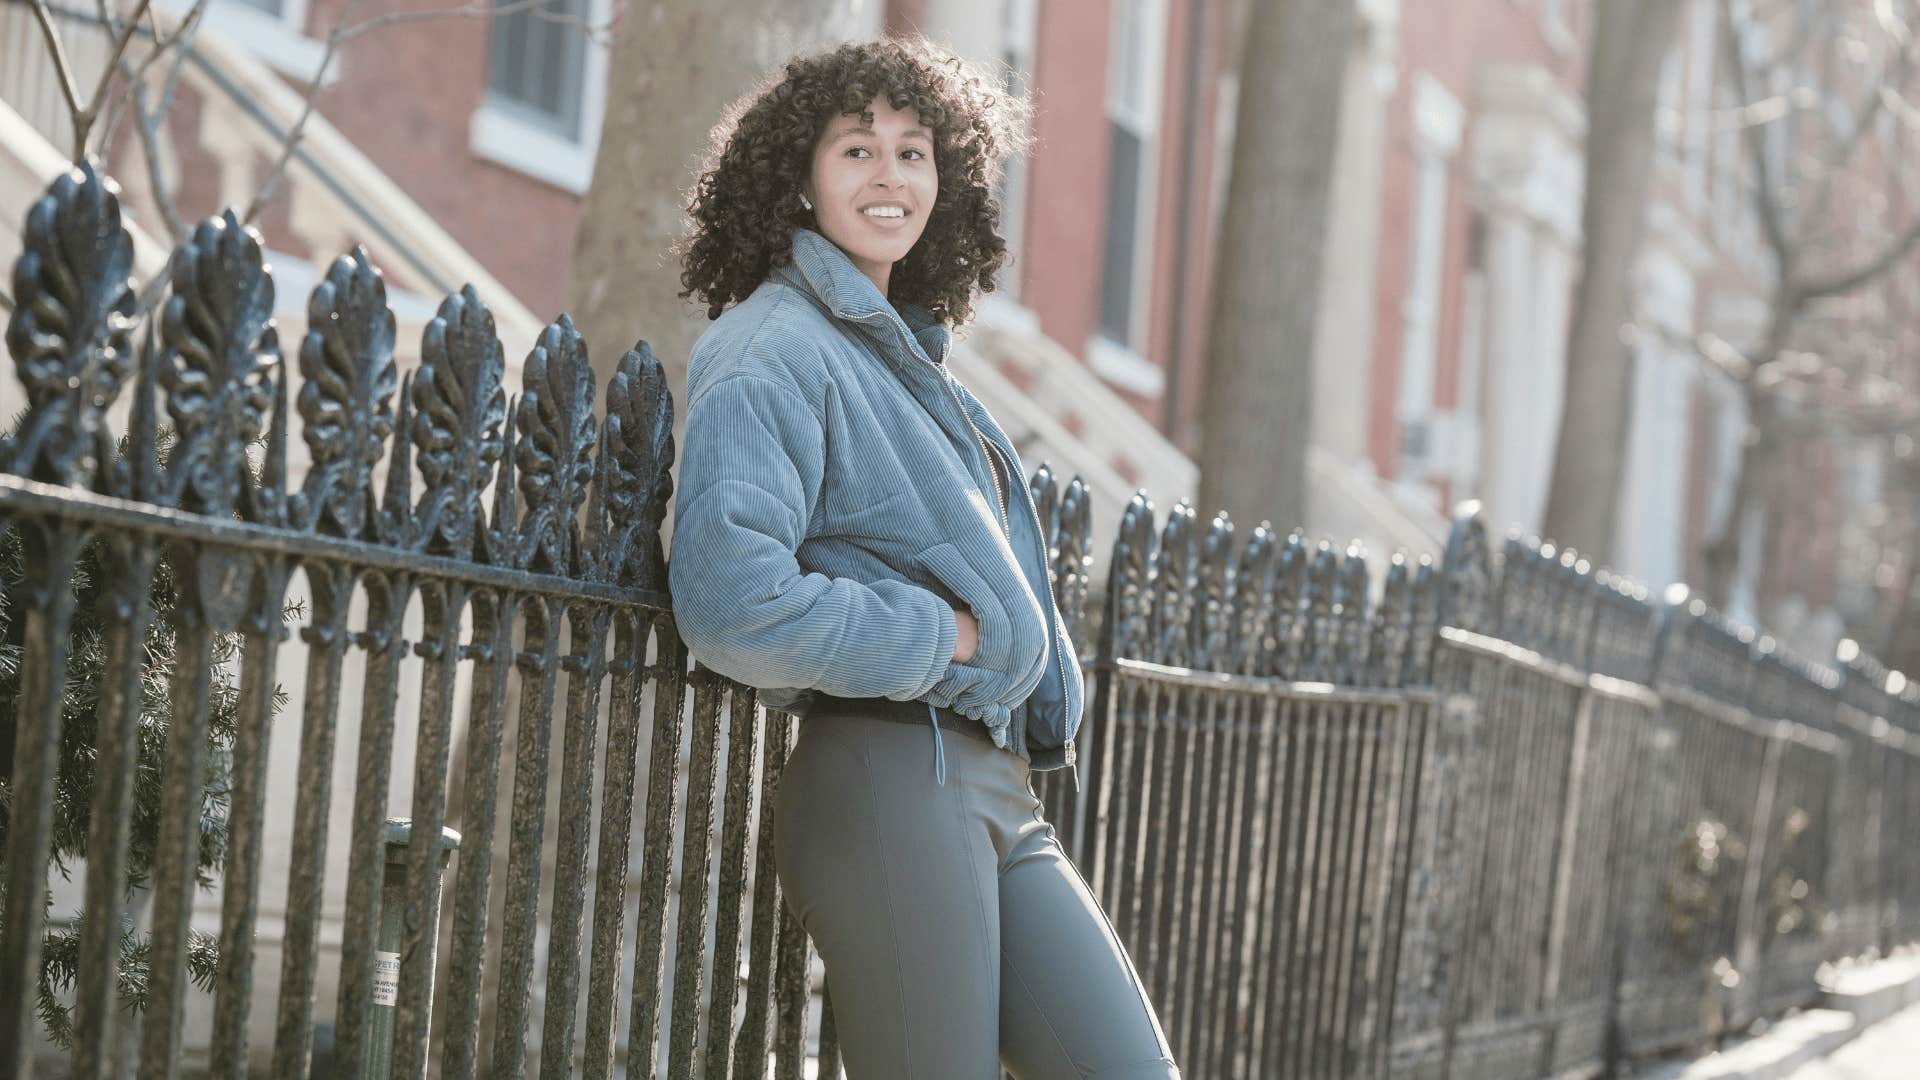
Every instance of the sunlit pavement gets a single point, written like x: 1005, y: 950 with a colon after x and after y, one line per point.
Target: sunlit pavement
x: 1885, y: 1051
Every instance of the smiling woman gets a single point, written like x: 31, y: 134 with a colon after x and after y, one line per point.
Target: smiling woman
x: 841, y: 125
x: 852, y: 538
x: 872, y: 182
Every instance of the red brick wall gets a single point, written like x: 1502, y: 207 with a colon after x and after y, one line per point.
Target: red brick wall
x: 1067, y: 193
x: 520, y: 228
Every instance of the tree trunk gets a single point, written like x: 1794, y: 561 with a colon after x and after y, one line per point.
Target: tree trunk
x: 1631, y: 38
x: 674, y: 69
x: 1259, y: 384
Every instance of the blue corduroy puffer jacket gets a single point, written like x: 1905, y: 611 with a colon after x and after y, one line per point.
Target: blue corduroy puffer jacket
x: 836, y: 502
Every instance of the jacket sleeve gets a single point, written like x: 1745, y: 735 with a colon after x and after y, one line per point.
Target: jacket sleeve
x: 750, y: 479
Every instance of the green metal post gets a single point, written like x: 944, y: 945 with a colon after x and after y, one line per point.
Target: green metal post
x: 386, y: 967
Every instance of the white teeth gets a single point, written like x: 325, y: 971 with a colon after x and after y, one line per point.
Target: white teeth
x: 884, y: 211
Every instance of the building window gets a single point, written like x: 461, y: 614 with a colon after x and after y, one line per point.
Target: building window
x: 535, y: 60
x: 1133, y: 101
x: 546, y: 89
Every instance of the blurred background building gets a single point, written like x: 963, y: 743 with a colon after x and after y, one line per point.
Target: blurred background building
x: 462, y: 148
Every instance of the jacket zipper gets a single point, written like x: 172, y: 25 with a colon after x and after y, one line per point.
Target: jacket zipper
x: 1053, y: 613
x: 1006, y: 524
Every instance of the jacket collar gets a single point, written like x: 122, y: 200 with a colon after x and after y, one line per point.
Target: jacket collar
x: 907, y: 332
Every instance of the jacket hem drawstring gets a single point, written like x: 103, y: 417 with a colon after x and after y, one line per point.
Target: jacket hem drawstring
x: 939, y: 749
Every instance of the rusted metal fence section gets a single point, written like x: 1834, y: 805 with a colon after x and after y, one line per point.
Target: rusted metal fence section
x: 1504, y: 816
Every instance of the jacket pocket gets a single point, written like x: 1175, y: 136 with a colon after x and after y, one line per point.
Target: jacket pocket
x: 1012, y: 655
x: 945, y: 563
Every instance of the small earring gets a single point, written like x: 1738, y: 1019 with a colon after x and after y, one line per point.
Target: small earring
x: 804, y: 204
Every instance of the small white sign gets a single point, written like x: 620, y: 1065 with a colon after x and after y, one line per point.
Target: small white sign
x: 386, y: 978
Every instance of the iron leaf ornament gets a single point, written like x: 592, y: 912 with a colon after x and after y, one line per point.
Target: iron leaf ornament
x: 71, y: 331
x: 459, y: 403
x: 554, y: 456
x: 638, y: 479
x: 348, y: 379
x: 217, y: 367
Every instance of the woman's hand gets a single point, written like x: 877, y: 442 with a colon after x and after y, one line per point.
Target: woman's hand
x: 968, y: 637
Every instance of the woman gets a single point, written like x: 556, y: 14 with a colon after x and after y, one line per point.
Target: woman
x: 853, y: 536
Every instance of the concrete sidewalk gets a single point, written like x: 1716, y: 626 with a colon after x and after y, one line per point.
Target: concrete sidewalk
x: 1889, y: 1050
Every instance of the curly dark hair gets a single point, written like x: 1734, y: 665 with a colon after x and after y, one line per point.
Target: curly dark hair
x: 746, y: 203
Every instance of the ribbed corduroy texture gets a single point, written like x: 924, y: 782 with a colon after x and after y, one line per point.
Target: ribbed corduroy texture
x: 834, y: 506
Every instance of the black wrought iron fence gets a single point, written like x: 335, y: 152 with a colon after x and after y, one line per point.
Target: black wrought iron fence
x: 1504, y: 816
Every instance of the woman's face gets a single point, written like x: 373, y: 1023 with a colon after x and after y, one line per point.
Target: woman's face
x: 872, y: 186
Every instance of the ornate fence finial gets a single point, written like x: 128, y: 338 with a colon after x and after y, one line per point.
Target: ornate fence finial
x: 639, y: 450
x: 1045, y: 489
x: 71, y: 330
x: 221, y: 348
x: 1127, y: 629
x: 1213, y: 610
x: 1424, y: 623
x: 458, y: 432
x: 1175, y: 565
x: 1073, y: 556
x: 1387, y: 654
x: 347, y: 385
x: 1323, y: 618
x: 1290, y: 627
x: 1466, y: 572
x: 1350, y: 599
x: 1254, y: 642
x: 555, y: 448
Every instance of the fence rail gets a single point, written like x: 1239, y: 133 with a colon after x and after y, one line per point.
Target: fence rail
x: 1500, y: 816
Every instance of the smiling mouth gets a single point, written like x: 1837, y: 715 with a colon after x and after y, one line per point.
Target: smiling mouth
x: 886, y: 213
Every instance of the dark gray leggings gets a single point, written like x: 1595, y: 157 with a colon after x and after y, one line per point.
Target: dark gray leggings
x: 957, y: 936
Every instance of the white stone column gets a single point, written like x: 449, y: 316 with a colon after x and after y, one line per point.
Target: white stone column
x: 1528, y: 173
x: 1507, y: 395
x: 1343, y: 336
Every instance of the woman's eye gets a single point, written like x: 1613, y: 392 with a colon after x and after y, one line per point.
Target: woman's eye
x: 853, y: 150
x: 917, y: 154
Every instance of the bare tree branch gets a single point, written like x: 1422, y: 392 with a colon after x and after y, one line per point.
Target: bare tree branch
x: 1864, y: 117
x: 1878, y: 264
x: 83, y: 116
x: 148, y: 124
x: 162, y: 44
x: 477, y: 9
x: 118, y: 50
x: 1772, y: 224
x: 59, y: 52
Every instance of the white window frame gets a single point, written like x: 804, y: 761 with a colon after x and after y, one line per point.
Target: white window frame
x: 506, y: 135
x: 279, y: 41
x: 1121, y: 362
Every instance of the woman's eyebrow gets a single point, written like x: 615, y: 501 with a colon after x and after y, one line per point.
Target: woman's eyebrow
x: 910, y: 133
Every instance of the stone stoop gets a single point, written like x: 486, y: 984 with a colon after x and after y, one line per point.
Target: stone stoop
x: 1853, y: 998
